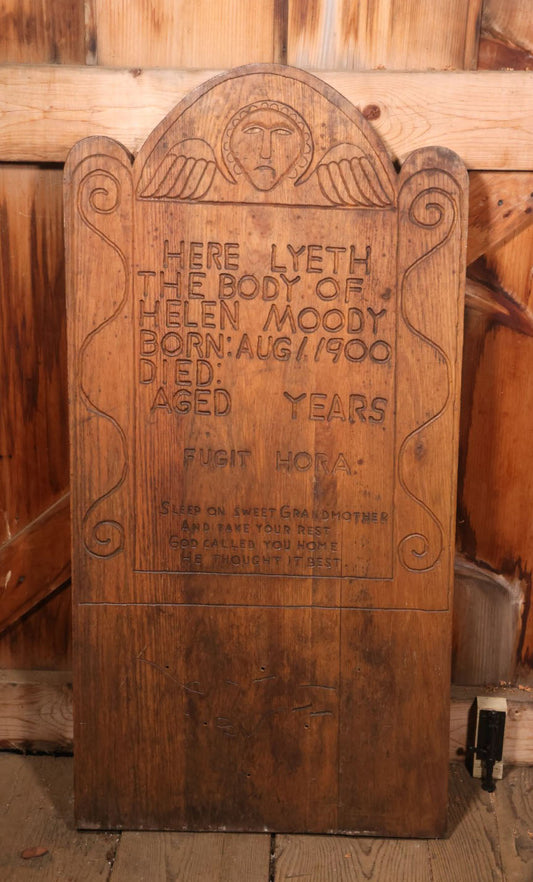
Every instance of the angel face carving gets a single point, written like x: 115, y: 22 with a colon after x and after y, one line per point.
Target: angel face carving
x: 265, y: 144
x: 266, y: 148
x: 267, y: 141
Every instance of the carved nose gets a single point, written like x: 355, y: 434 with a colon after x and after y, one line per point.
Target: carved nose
x: 266, y: 144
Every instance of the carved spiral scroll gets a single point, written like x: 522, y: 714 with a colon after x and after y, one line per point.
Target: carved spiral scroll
x: 99, y: 195
x: 434, y: 215
x: 436, y: 211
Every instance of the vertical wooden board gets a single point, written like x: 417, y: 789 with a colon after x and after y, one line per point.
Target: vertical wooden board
x: 495, y: 490
x: 510, y: 21
x: 50, y: 31
x: 500, y: 206
x: 34, y: 422
x: 187, y: 33
x: 506, y: 36
x: 508, y: 265
x: 398, y: 35
x: 271, y: 441
x: 43, y: 639
x: 36, y: 711
x: 99, y: 518
x: 395, y: 676
x: 190, y: 857
x: 35, y: 562
x: 495, y: 498
x: 235, y: 715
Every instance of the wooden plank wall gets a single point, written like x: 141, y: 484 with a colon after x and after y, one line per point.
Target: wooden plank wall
x: 494, y: 615
x: 496, y: 459
x: 384, y: 34
x: 185, y: 34
x: 34, y: 535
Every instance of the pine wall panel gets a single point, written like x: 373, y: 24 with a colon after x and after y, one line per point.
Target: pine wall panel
x: 389, y: 34
x: 34, y: 467
x: 181, y: 33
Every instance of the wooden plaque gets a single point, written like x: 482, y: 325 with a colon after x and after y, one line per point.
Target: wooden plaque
x: 265, y: 339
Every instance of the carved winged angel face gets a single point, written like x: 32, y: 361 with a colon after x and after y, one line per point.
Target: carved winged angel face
x: 267, y: 141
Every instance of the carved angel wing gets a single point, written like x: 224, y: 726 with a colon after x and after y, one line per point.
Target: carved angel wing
x: 349, y: 176
x: 186, y: 172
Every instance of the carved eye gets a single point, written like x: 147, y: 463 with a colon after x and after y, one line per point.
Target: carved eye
x: 253, y: 130
x: 282, y: 131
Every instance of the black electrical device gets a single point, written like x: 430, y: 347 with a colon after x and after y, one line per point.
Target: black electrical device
x: 488, y: 746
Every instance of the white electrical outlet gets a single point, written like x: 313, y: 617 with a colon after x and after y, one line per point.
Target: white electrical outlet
x: 488, y: 702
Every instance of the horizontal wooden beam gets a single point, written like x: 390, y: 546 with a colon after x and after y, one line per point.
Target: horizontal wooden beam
x: 36, y: 715
x: 485, y: 116
x: 36, y: 711
x: 35, y: 562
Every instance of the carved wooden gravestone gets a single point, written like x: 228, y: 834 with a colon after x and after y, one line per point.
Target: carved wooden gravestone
x: 264, y: 347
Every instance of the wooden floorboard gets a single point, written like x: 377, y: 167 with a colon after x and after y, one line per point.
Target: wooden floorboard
x: 345, y: 859
x: 36, y: 813
x: 514, y: 816
x: 192, y: 857
x: 490, y: 839
x: 472, y: 851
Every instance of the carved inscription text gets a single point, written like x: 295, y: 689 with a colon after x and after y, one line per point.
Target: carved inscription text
x: 265, y: 382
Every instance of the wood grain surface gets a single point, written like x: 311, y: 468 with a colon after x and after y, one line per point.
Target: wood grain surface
x: 489, y: 838
x: 34, y: 527
x: 510, y: 21
x: 34, y: 534
x: 485, y: 116
x: 504, y: 366
x: 514, y: 812
x: 495, y: 459
x: 332, y: 858
x: 323, y: 32
x: 138, y: 33
x: 395, y: 35
x: 506, y: 40
x: 500, y: 206
x: 264, y: 431
x: 472, y: 851
x: 36, y: 711
x: 186, y: 857
x: 36, y: 812
x: 33, y: 439
x: 34, y: 521
x: 37, y: 715
x: 48, y: 32
x: 35, y: 562
x: 43, y: 639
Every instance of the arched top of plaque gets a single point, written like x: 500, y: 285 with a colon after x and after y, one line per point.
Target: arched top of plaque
x: 266, y: 134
